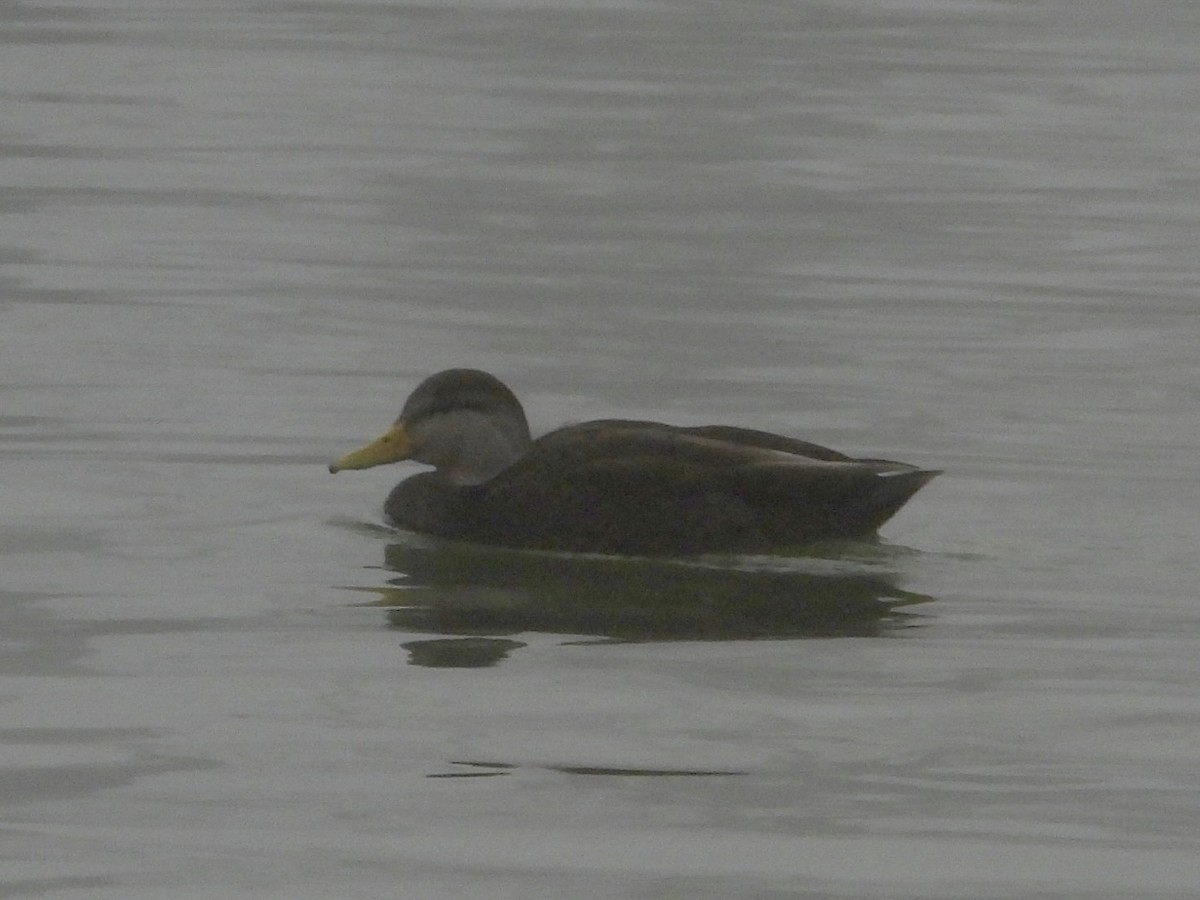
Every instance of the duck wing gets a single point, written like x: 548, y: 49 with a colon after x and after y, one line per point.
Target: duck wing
x: 623, y: 486
x: 727, y: 434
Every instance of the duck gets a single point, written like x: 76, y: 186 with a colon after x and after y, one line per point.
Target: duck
x: 619, y: 486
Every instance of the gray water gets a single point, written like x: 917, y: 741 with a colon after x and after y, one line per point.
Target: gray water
x: 235, y: 234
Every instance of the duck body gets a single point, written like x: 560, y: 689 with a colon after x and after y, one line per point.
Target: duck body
x: 621, y: 486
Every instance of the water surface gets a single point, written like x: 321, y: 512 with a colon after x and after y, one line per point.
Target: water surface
x: 234, y: 235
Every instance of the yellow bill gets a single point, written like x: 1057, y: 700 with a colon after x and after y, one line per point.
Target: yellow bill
x: 391, y: 447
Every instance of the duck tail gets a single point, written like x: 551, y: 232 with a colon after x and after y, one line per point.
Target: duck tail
x: 890, y: 491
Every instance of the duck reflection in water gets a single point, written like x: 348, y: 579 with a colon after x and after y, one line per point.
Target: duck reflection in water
x: 475, y: 598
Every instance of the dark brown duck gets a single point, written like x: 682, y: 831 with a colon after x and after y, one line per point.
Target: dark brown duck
x: 618, y: 486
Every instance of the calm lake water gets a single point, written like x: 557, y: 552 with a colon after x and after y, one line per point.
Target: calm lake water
x: 234, y: 235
